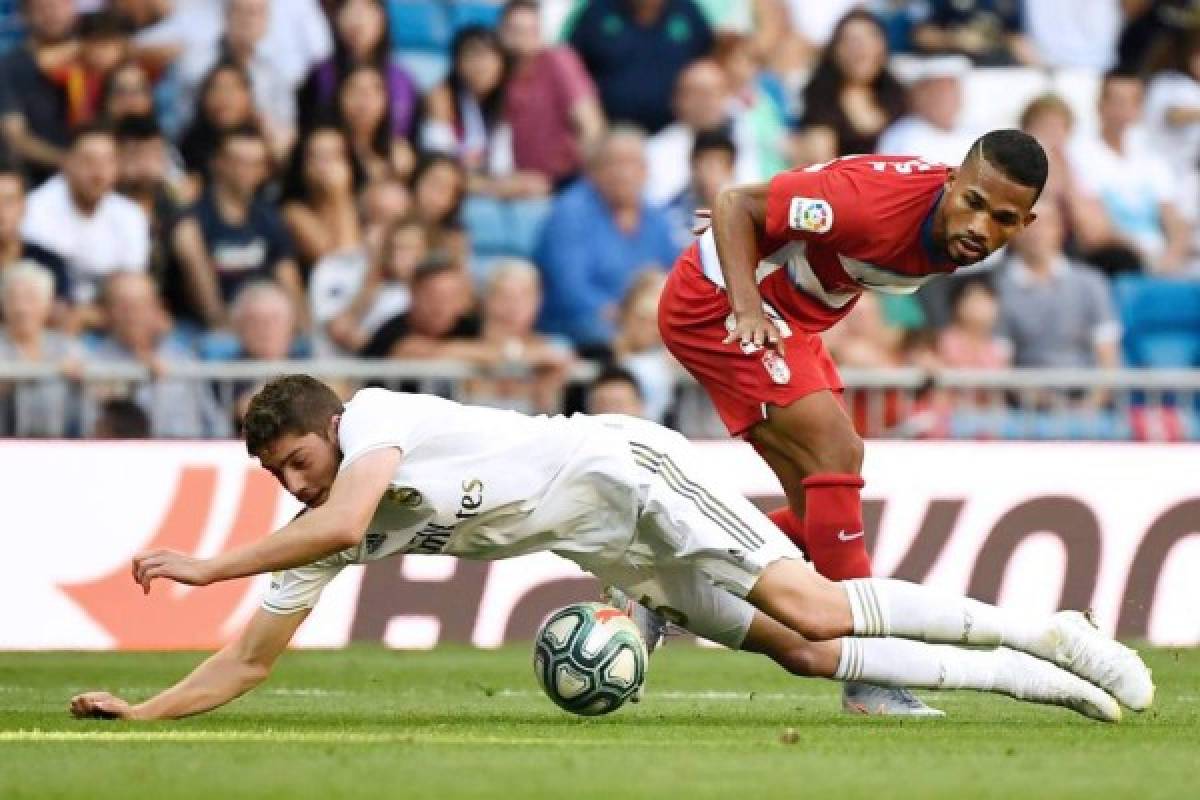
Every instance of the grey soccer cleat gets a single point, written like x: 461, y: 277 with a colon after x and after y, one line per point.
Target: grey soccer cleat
x: 651, y: 624
x: 885, y: 701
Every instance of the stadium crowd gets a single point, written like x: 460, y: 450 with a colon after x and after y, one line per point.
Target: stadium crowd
x: 506, y: 183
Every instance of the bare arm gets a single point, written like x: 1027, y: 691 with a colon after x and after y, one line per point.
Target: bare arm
x: 287, y: 272
x: 337, y: 524
x: 1179, y: 239
x: 227, y: 674
x: 739, y: 217
x: 188, y: 243
x: 308, y: 232
x: 588, y: 118
x: 27, y: 146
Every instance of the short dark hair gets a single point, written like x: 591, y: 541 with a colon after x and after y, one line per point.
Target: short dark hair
x: 290, y: 404
x: 959, y: 287
x: 138, y: 128
x: 435, y: 264
x: 1017, y: 155
x: 103, y: 24
x: 121, y: 418
x: 707, y: 141
x: 612, y: 373
x: 518, y: 5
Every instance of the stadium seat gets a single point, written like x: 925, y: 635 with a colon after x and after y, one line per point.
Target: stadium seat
x: 473, y: 12
x: 419, y: 25
x: 1161, y: 318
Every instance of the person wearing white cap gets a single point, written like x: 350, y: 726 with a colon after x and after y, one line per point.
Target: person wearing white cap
x: 931, y: 130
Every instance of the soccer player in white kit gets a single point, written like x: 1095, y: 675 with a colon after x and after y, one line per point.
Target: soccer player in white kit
x: 625, y: 499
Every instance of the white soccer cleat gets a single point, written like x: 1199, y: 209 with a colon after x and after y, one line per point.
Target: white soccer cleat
x: 1075, y: 644
x: 1029, y: 678
x: 884, y: 701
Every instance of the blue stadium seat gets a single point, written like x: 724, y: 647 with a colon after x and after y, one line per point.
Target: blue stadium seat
x: 1161, y: 318
x: 419, y: 25
x: 473, y: 12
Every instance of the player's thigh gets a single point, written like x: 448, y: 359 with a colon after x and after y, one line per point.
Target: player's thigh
x: 814, y: 434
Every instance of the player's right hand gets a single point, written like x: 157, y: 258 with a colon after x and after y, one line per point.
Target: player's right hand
x: 100, y: 705
x: 756, y: 329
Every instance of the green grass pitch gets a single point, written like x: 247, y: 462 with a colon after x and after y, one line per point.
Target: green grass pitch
x: 368, y: 722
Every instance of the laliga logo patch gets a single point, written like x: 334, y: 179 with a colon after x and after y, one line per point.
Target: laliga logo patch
x: 810, y: 214
x: 776, y: 367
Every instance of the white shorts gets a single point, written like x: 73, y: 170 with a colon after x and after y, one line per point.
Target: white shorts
x: 697, y: 548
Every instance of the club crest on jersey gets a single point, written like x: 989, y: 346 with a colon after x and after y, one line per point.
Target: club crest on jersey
x: 810, y: 214
x: 404, y: 496
x: 776, y: 367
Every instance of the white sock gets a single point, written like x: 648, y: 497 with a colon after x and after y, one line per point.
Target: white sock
x: 918, y: 665
x: 889, y: 607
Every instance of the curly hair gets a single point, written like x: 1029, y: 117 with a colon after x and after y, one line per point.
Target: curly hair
x: 290, y: 404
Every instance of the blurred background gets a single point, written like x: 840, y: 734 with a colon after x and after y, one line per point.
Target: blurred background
x: 480, y: 199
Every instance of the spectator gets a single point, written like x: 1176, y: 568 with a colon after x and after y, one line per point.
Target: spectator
x: 362, y: 106
x: 865, y: 339
x: 226, y: 103
x: 352, y: 300
x: 297, y: 36
x: 851, y: 97
x: 144, y: 176
x: 230, y: 236
x: 758, y: 102
x: 932, y: 130
x: 701, y: 105
x: 551, y: 103
x: 361, y: 38
x: 712, y: 159
x: 1173, y: 112
x: 599, y: 236
x: 14, y: 248
x: 319, y: 196
x: 42, y: 407
x: 1127, y: 217
x: 635, y: 50
x: 1077, y: 34
x: 615, y: 391
x: 439, y: 186
x: 970, y: 341
x: 103, y: 44
x: 1148, y: 29
x: 79, y: 216
x: 989, y: 32
x: 264, y: 322
x: 121, y: 418
x: 138, y: 329
x: 127, y: 92
x: 439, y: 322
x: 464, y: 113
x: 637, y: 345
x: 1054, y: 312
x: 527, y: 370
x: 33, y: 110
x: 1050, y: 120
x: 381, y: 202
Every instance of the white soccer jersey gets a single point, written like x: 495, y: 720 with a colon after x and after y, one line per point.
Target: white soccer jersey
x: 622, y: 497
x: 472, y: 482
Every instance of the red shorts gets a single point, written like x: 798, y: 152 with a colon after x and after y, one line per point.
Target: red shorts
x: 693, y: 315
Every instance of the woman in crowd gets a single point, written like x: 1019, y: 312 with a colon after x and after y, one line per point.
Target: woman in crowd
x: 365, y: 118
x: 226, y: 102
x: 128, y: 91
x: 439, y: 186
x: 44, y: 407
x: 852, y: 97
x: 320, y: 189
x: 361, y: 38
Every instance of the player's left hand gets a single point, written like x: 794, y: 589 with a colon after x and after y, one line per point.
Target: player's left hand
x: 171, y: 565
x: 100, y: 705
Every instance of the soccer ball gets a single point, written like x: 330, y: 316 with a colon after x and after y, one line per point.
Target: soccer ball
x: 589, y: 658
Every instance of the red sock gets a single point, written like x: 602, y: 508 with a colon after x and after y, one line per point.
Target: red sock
x: 833, y: 526
x: 791, y: 525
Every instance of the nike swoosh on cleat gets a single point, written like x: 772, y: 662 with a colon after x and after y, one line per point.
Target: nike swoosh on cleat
x: 849, y: 537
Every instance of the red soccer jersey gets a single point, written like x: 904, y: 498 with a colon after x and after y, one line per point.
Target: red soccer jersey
x: 833, y: 230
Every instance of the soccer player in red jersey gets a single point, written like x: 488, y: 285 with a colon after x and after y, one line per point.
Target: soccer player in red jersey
x: 744, y: 306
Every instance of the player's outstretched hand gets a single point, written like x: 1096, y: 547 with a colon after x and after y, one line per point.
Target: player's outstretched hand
x: 755, y: 329
x: 100, y: 705
x: 171, y: 565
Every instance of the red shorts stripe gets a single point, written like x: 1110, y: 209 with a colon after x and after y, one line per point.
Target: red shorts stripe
x: 692, y: 316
